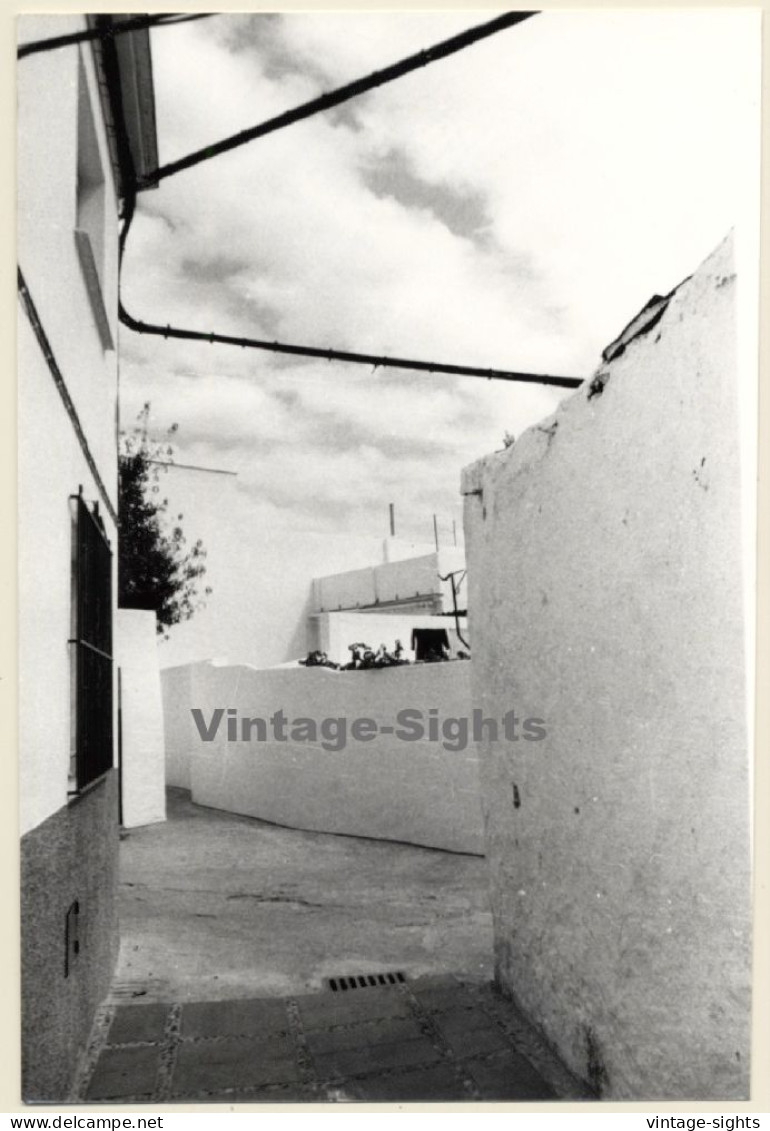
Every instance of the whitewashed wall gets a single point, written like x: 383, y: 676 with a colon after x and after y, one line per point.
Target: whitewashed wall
x: 415, y: 791
x: 260, y: 571
x: 604, y: 555
x: 51, y: 464
x: 395, y: 580
x: 179, y: 729
x: 143, y: 768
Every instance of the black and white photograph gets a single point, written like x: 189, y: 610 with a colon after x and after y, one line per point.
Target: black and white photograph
x: 387, y: 521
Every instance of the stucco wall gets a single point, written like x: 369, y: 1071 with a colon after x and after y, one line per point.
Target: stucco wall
x: 72, y: 856
x: 51, y: 467
x: 68, y: 848
x: 51, y: 464
x: 47, y: 211
x: 393, y: 580
x: 414, y: 791
x: 261, y: 573
x: 178, y: 726
x: 604, y: 556
x: 143, y: 769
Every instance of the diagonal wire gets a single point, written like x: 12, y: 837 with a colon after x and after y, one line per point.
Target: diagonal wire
x: 133, y: 23
x: 338, y: 96
x: 376, y: 361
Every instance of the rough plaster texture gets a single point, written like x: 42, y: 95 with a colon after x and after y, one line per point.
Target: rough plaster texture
x: 71, y: 856
x: 143, y: 771
x: 604, y: 556
x: 416, y: 791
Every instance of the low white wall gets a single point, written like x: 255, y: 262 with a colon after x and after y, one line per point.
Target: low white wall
x: 143, y: 778
x: 604, y: 557
x: 415, y: 791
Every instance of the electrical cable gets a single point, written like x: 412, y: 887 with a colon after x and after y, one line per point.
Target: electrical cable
x: 33, y: 317
x: 129, y: 185
x: 376, y: 361
x: 338, y: 96
x: 133, y: 23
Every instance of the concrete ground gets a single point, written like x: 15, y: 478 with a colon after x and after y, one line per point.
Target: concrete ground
x: 235, y: 935
x: 215, y: 906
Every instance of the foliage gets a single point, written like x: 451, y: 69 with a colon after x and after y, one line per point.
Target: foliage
x: 156, y: 570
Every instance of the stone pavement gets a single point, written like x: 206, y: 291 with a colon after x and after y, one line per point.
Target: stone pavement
x: 437, y: 1038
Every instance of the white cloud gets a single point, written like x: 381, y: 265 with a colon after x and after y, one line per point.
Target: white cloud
x: 607, y: 151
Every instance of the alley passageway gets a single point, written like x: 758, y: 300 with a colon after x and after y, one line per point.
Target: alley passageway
x: 234, y: 933
x: 214, y: 906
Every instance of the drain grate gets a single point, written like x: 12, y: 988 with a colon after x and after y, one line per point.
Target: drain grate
x: 364, y: 981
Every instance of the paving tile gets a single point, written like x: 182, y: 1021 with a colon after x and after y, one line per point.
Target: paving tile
x: 439, y: 998
x: 123, y: 1072
x: 469, y: 1032
x: 293, y: 1093
x: 255, y: 1017
x: 322, y: 1011
x: 235, y: 1062
x: 436, y: 1083
x: 383, y: 1031
x: 421, y: 982
x: 366, y: 1045
x: 138, y: 1023
x: 369, y: 1059
x: 508, y: 1076
x: 477, y: 1042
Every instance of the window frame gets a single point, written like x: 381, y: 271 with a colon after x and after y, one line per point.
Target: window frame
x: 92, y: 752
x: 91, y: 208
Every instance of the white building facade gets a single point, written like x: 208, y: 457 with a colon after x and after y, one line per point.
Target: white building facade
x: 73, y: 103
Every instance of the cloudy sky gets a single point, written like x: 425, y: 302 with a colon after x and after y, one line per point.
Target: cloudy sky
x: 512, y: 206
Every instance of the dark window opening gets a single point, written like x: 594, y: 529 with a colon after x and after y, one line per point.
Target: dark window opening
x: 430, y: 644
x: 92, y: 645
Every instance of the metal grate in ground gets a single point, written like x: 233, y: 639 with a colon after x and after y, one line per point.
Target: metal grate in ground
x: 341, y: 984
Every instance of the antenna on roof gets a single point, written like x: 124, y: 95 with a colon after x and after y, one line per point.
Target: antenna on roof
x: 392, y: 520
